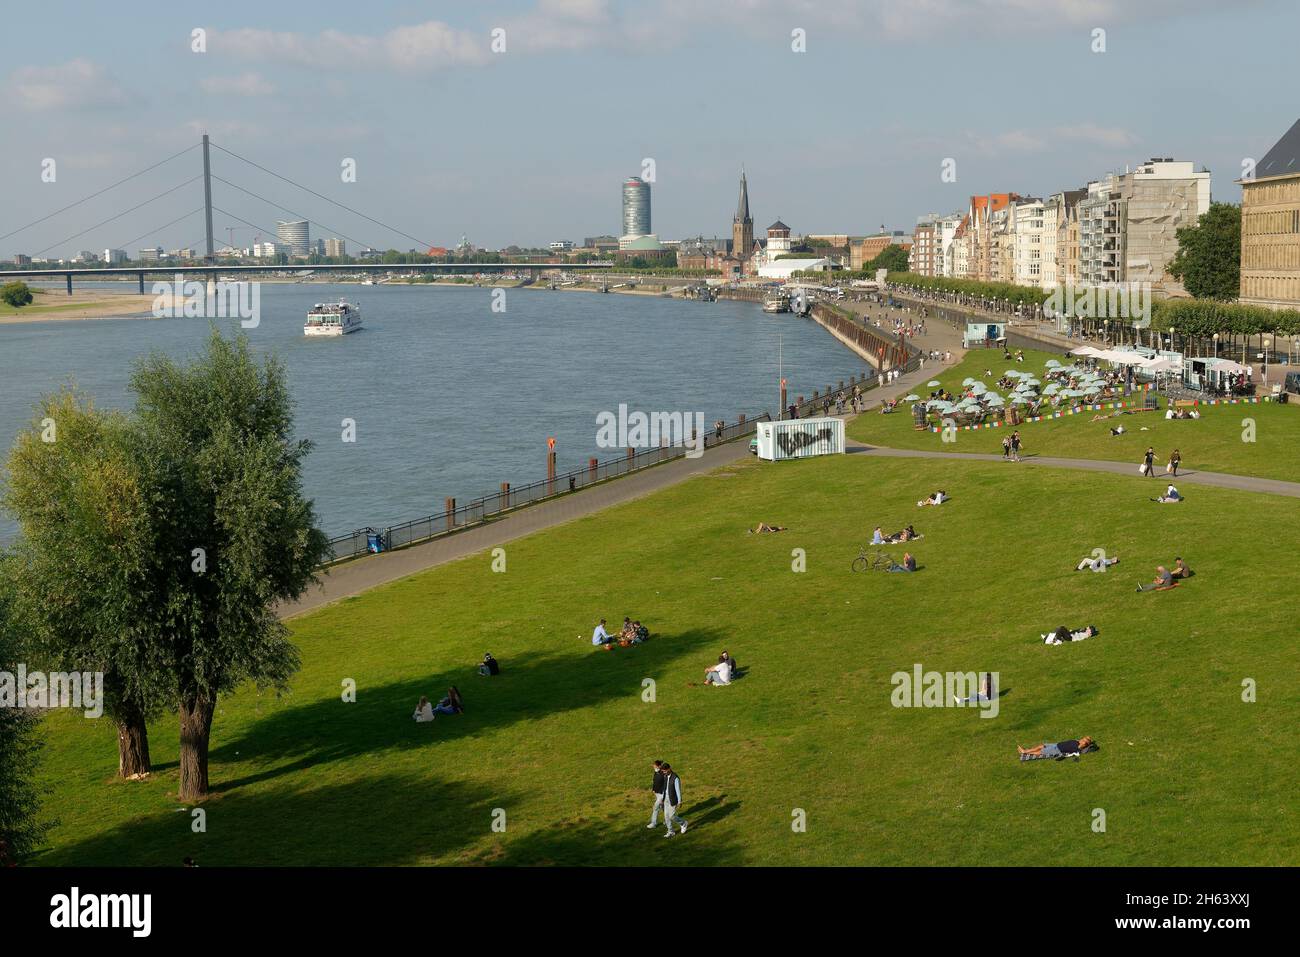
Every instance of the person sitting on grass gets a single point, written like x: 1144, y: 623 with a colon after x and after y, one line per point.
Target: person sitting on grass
x: 1059, y: 750
x: 938, y: 498
x: 1180, y: 569
x: 1171, y: 495
x: 626, y: 632
x: 719, y: 674
x: 1063, y: 635
x: 876, y: 537
x: 909, y: 564
x: 451, y: 704
x: 1118, y: 430
x: 600, y: 636
x: 1162, y: 580
x: 423, y: 710
x: 490, y: 667
x: 639, y: 632
x: 1099, y: 564
x: 764, y: 527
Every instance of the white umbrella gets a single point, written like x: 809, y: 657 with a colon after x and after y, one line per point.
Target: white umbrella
x: 1085, y: 351
x: 1053, y: 362
x: 979, y: 387
x: 932, y: 382
x: 1019, y: 400
x: 969, y: 381
x: 994, y: 400
x: 911, y: 397
x: 1051, y: 387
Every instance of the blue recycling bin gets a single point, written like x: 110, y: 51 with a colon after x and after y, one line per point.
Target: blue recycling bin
x: 374, y: 541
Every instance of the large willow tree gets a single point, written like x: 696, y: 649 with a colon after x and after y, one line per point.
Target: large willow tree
x: 230, y: 521
x: 83, y: 569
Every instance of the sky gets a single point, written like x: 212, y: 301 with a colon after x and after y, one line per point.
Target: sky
x: 530, y: 143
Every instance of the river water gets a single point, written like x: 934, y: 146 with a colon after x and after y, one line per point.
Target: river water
x: 449, y: 397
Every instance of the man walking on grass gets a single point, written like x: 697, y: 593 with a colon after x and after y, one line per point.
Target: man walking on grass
x: 672, y: 800
x: 658, y: 787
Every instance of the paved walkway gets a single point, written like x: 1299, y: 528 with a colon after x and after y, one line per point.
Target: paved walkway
x: 1245, y: 483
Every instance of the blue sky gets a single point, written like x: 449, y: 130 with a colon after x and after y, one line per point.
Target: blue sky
x: 531, y: 145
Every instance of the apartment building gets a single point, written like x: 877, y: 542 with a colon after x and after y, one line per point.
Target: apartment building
x: 1270, y: 227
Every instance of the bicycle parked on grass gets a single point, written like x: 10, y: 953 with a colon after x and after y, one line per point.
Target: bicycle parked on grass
x: 876, y: 561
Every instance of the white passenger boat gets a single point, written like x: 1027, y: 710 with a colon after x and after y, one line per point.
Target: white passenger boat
x: 332, y: 319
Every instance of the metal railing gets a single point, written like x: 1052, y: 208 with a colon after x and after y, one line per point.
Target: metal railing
x: 481, y: 509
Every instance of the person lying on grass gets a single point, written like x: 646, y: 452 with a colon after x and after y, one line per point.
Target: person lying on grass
x: 1162, y: 581
x: 764, y: 527
x: 906, y: 535
x: 1063, y: 635
x: 1171, y: 495
x: 1059, y: 750
x: 938, y: 498
x: 1099, y: 564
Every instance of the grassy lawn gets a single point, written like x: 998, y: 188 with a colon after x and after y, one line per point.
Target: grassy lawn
x: 1213, y: 443
x: 562, y: 740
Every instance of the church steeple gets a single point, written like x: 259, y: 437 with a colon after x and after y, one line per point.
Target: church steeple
x: 742, y: 207
x: 742, y: 227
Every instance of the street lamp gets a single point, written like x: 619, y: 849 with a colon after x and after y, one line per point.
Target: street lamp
x: 1216, y: 345
x: 1172, y: 340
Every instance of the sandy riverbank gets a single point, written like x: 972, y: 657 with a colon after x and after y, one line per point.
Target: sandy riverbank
x: 51, y: 306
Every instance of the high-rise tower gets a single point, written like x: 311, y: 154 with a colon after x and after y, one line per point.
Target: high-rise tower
x: 742, y: 227
x: 636, y: 207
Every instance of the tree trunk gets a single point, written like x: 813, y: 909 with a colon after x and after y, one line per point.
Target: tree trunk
x: 132, y: 746
x: 196, y: 726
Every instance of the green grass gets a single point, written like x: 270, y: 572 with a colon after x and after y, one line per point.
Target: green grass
x: 1213, y: 443
x: 562, y: 740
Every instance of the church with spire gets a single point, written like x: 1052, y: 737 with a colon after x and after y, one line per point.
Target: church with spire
x: 742, y: 226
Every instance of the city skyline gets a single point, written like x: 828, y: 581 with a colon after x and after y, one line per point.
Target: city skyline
x: 445, y: 154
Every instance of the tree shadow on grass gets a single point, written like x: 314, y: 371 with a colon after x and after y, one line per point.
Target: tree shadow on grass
x: 530, y: 686
x: 381, y: 820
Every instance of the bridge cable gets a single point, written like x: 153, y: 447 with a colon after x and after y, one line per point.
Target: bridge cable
x: 308, y: 189
x: 159, y: 229
x: 291, y: 212
x: 100, y: 193
x: 121, y: 214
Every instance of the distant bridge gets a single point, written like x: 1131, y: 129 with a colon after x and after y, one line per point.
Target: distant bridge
x: 217, y: 271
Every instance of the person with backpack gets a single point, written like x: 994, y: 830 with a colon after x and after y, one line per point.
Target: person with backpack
x: 672, y: 800
x: 657, y: 786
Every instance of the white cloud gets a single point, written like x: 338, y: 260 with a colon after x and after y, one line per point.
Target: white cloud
x: 418, y: 48
x: 77, y: 84
x: 244, y: 84
x: 1111, y: 137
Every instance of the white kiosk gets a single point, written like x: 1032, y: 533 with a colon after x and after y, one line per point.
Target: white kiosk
x: 799, y: 438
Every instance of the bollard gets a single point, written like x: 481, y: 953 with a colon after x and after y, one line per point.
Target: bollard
x: 505, y: 495
x: 591, y: 469
x: 450, y: 508
x: 550, y: 470
x: 740, y: 420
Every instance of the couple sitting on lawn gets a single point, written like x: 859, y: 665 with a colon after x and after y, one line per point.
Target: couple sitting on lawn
x: 451, y: 704
x: 723, y: 672
x: 938, y: 498
x: 1165, y: 578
